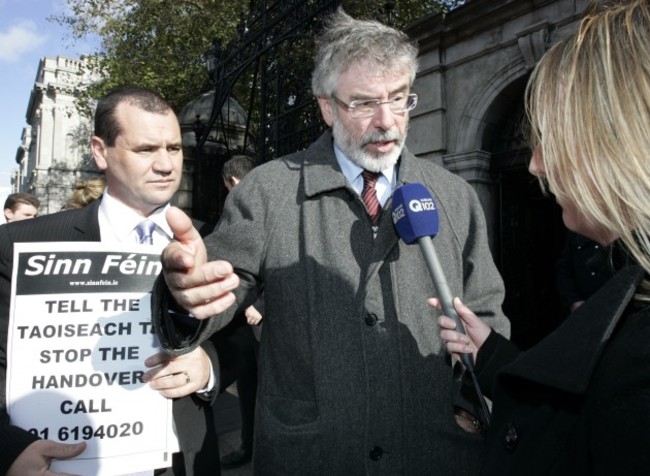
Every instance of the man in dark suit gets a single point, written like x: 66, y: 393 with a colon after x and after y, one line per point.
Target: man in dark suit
x: 137, y: 144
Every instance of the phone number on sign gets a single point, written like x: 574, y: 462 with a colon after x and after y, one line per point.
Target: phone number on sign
x: 88, y: 432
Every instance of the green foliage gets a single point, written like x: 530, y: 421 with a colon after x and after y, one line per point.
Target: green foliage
x: 160, y: 43
x: 152, y: 43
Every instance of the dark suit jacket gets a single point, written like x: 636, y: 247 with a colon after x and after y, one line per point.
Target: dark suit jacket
x: 192, y: 415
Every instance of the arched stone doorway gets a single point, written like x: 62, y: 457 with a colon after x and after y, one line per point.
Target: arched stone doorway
x: 475, y: 61
x: 525, y: 226
x: 529, y: 233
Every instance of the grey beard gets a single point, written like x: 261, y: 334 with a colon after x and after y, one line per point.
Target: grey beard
x: 357, y: 154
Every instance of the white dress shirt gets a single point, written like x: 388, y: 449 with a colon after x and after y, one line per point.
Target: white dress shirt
x: 117, y: 223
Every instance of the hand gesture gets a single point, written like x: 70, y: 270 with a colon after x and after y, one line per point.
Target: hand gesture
x: 202, y: 287
x: 253, y: 316
x: 178, y: 376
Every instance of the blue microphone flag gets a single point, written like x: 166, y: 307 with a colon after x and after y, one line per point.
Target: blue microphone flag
x: 414, y: 213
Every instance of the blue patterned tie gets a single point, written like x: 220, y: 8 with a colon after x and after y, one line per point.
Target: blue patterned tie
x: 145, y: 229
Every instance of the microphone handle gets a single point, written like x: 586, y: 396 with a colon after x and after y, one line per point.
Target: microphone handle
x: 440, y: 283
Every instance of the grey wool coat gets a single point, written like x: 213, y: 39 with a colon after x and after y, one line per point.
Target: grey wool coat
x: 353, y: 377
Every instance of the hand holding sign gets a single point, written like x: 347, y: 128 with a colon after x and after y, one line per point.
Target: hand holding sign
x: 178, y: 376
x: 38, y: 456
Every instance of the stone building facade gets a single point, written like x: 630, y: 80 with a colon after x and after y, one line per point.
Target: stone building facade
x: 55, y: 145
x: 474, y: 65
x: 54, y: 150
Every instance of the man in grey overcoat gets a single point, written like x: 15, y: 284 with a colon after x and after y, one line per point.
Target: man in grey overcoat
x: 353, y: 376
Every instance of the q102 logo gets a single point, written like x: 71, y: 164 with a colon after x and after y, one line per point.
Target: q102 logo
x: 422, y: 205
x: 416, y: 206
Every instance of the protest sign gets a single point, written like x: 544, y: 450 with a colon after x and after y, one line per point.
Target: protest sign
x: 79, y: 332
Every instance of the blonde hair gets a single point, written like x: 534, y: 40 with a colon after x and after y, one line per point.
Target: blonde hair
x: 86, y: 192
x: 588, y: 101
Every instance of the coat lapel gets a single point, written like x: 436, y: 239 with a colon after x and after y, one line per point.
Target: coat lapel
x: 582, y: 338
x: 322, y: 175
x: 86, y: 223
x: 321, y: 172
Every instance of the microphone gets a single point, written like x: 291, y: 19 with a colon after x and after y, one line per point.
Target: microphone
x: 416, y: 219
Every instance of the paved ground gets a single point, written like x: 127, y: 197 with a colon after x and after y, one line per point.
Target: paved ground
x: 228, y: 424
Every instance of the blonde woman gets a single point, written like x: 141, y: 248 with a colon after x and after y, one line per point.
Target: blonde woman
x: 579, y: 402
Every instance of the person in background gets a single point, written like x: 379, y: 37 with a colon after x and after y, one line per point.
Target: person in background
x: 240, y: 338
x: 21, y: 206
x: 137, y: 144
x: 353, y: 378
x: 577, y: 402
x: 86, y: 192
x: 235, y: 169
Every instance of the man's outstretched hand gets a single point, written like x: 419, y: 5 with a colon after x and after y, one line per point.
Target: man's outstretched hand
x: 202, y: 287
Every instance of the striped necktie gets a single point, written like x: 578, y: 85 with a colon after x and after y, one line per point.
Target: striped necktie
x: 369, y: 195
x: 145, y: 229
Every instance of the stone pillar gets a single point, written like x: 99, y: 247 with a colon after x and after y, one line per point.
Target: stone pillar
x: 474, y: 167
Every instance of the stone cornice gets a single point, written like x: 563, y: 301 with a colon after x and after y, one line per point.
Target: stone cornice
x: 473, y: 166
x: 472, y: 19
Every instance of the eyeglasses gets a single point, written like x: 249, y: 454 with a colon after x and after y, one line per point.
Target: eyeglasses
x: 362, y: 108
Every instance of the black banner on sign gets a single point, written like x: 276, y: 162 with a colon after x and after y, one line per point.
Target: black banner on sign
x: 85, y: 272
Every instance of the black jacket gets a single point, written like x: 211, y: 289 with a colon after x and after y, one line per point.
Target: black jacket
x: 578, y: 403
x: 583, y: 268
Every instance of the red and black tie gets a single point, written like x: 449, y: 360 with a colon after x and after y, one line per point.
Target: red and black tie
x: 369, y: 195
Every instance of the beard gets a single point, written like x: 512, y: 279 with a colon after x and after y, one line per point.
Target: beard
x: 354, y: 149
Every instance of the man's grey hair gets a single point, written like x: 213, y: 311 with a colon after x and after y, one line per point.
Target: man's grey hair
x: 347, y: 42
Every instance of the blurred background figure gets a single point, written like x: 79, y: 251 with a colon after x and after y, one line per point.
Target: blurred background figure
x: 21, y: 206
x: 86, y: 192
x: 238, y: 340
x: 236, y: 169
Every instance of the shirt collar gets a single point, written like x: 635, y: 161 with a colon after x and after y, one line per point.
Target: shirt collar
x: 352, y: 172
x: 121, y: 219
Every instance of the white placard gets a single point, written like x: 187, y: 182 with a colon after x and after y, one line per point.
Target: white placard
x: 79, y: 332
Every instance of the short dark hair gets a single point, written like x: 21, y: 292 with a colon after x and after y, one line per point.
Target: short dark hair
x: 237, y: 166
x: 107, y: 126
x: 15, y: 199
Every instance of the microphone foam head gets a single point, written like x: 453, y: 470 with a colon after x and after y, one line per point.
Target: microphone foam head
x: 414, y: 213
